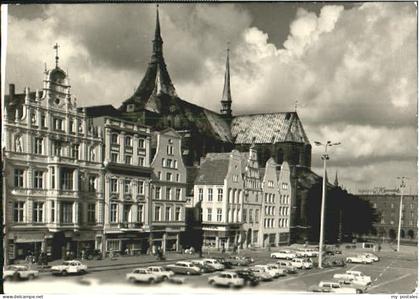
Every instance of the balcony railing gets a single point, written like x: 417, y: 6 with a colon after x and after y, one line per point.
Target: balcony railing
x: 130, y: 225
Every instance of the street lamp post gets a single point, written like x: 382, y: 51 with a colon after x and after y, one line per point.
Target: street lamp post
x: 402, y: 186
x: 324, y: 157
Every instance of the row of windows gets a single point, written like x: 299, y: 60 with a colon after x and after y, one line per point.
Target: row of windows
x: 395, y: 206
x: 128, y: 141
x: 251, y: 216
x: 168, y: 193
x: 169, y: 176
x: 268, y: 222
x: 38, y: 212
x: 127, y: 213
x: 127, y: 186
x: 128, y: 159
x: 210, y: 194
x: 65, y: 182
x: 218, y: 215
x: 58, y: 123
x: 169, y: 163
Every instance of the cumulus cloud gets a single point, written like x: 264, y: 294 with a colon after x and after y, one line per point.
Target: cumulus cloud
x: 353, y: 71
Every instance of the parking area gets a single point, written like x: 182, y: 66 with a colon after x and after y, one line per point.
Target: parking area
x: 393, y: 273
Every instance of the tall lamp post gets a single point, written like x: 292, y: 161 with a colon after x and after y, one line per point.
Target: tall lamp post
x: 324, y: 157
x: 402, y: 186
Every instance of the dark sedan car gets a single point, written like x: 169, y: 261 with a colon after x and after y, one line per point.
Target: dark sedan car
x: 225, y: 262
x: 249, y: 277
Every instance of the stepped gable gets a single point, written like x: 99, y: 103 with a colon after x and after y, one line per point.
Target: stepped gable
x: 268, y: 128
x: 213, y: 169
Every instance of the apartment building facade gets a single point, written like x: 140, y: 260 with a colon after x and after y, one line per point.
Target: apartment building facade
x: 52, y: 172
x: 168, y: 191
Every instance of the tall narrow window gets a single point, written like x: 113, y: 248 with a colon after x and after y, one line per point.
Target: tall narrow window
x: 38, y: 179
x: 18, y: 211
x: 57, y: 148
x: 157, y: 192
x: 219, y: 194
x: 168, y: 214
x: 178, y: 194
x: 75, y: 151
x: 43, y: 120
x: 52, y: 211
x: 200, y: 194
x: 210, y: 194
x: 91, y: 213
x: 141, y: 161
x: 140, y: 213
x: 114, y: 157
x: 157, y: 213
x: 114, y: 138
x: 19, y: 178
x: 141, y: 143
x: 128, y: 141
x: 38, y: 211
x: 128, y: 159
x: 114, y: 185
x: 219, y: 215
x: 113, y: 213
x: 92, y: 183
x: 127, y: 186
x: 168, y: 193
x: 38, y: 149
x: 178, y: 214
x: 66, y: 176
x: 209, y: 212
x: 66, y: 212
x: 140, y: 187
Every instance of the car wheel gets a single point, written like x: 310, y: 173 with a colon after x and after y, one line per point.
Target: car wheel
x: 230, y: 285
x: 132, y: 279
x: 211, y: 282
x: 151, y: 280
x: 64, y: 273
x: 31, y: 276
x: 358, y: 291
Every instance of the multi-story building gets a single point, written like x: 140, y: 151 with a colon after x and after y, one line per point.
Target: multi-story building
x: 127, y: 179
x: 387, y: 205
x: 53, y: 194
x: 219, y: 190
x: 167, y: 212
x: 274, y: 228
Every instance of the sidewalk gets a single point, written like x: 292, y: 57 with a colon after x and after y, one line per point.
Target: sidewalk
x: 121, y: 262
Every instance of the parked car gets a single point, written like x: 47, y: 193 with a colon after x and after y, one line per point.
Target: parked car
x: 249, y: 277
x: 225, y: 262
x: 237, y: 260
x: 359, y: 259
x: 273, y: 272
x: 160, y: 271
x: 333, y: 287
x: 287, y: 265
x: 280, y: 271
x: 262, y: 274
x: 371, y: 256
x: 72, y: 266
x: 15, y: 272
x: 184, y: 268
x: 205, y: 268
x: 355, y: 277
x: 230, y: 279
x: 214, y: 263
x: 306, y: 252
x: 302, y: 263
x: 143, y: 275
x: 283, y: 254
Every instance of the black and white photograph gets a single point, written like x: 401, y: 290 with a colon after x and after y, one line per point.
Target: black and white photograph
x: 211, y: 148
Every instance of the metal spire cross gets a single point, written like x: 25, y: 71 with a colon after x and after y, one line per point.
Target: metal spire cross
x: 296, y: 105
x: 56, y: 46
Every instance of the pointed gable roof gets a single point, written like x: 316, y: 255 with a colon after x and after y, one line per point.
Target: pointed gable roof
x: 213, y: 169
x: 268, y: 128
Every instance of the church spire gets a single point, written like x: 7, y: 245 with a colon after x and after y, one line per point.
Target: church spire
x: 157, y: 41
x: 227, y: 97
x: 336, y: 179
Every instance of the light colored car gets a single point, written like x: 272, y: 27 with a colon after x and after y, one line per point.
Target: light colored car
x: 230, y: 279
x: 333, y: 287
x: 143, y: 275
x: 287, y: 265
x: 306, y: 252
x: 302, y: 263
x: 214, y: 263
x: 160, y: 271
x: 280, y: 271
x: 355, y: 277
x: 283, y: 254
x: 359, y: 259
x: 69, y: 267
x: 273, y: 272
x: 19, y: 272
x: 184, y: 268
x: 371, y: 256
x: 261, y: 273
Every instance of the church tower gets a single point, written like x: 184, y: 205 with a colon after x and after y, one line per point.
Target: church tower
x: 226, y: 101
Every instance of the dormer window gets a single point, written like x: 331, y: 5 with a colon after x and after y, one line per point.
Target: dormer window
x: 130, y: 107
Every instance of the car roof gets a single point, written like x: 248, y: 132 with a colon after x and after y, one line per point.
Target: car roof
x: 140, y: 269
x: 228, y: 272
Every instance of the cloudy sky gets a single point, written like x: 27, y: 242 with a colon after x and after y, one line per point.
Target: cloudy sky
x: 352, y: 68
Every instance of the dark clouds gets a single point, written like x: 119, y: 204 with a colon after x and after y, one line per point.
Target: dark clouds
x: 352, y: 68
